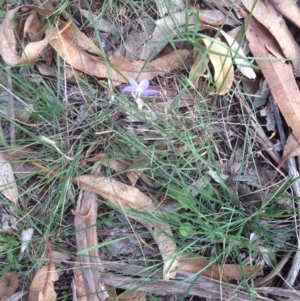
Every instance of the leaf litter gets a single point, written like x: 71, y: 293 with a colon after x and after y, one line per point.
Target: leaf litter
x: 9, y: 283
x: 266, y: 14
x: 127, y: 197
x: 143, y: 196
x: 42, y: 285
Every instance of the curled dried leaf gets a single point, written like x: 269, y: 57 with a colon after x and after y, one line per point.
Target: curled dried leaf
x: 8, y: 43
x: 219, y: 55
x: 42, y: 286
x: 8, y: 285
x: 80, y: 57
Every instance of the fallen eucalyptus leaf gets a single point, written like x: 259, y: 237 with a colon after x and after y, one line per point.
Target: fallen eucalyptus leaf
x: 289, y: 9
x: 279, y: 75
x: 268, y: 16
x: 218, y: 55
x: 8, y: 43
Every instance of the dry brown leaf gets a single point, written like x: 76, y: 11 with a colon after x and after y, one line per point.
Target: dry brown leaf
x: 43, y: 9
x: 128, y: 197
x: 74, y: 36
x: 42, y: 285
x: 76, y: 49
x: 32, y: 26
x: 136, y: 171
x: 8, y: 285
x: 18, y: 153
x: 291, y: 149
x: 48, y: 55
x: 117, y: 68
x: 169, y: 24
x: 193, y: 264
x: 117, y: 165
x: 22, y: 170
x: 8, y: 43
x: 71, y: 72
x: 113, y: 296
x: 267, y: 15
x: 97, y: 22
x: 279, y: 77
x: 133, y: 176
x: 159, y: 66
x: 289, y: 9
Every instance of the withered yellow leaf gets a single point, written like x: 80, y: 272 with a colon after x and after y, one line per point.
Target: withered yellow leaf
x: 199, y: 67
x: 218, y: 54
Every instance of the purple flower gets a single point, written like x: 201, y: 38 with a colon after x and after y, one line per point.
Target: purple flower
x: 140, y: 89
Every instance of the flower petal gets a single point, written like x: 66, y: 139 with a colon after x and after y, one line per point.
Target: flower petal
x: 133, y: 82
x: 144, y: 84
x: 149, y: 92
x: 129, y: 89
